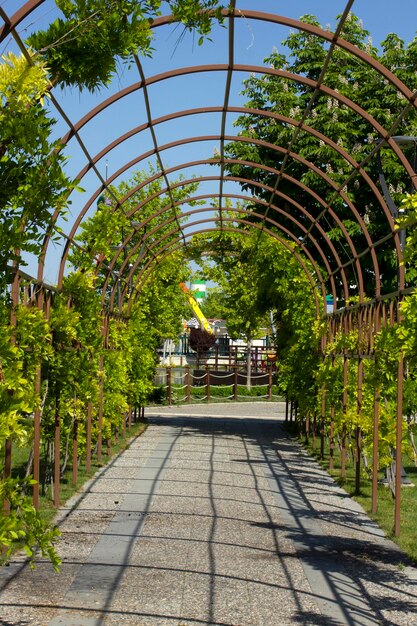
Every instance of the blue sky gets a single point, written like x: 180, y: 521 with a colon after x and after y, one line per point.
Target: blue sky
x: 254, y: 41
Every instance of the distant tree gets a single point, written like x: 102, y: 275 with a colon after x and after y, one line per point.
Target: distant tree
x: 236, y: 299
x: 354, y: 79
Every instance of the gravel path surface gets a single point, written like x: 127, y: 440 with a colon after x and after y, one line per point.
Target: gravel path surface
x: 214, y: 516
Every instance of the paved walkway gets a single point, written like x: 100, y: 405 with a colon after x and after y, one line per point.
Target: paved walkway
x: 214, y: 517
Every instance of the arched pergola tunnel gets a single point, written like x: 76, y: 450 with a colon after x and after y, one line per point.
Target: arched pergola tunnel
x: 336, y: 266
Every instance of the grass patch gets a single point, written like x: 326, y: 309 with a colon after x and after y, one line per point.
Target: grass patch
x: 384, y: 516
x: 47, y: 510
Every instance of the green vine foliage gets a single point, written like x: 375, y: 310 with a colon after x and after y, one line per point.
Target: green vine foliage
x: 23, y: 348
x: 32, y: 181
x: 24, y: 527
x: 258, y: 277
x: 304, y: 55
x: 83, y: 46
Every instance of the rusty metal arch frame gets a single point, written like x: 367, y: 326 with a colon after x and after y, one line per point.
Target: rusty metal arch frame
x: 248, y: 111
x: 126, y: 261
x: 333, y: 38
x: 246, y: 14
x: 254, y: 69
x: 258, y: 165
x: 248, y: 163
x: 283, y: 195
x: 251, y: 200
x: 210, y: 161
x: 333, y: 93
x: 318, y: 172
x: 358, y: 168
x: 170, y: 170
x: 167, y: 252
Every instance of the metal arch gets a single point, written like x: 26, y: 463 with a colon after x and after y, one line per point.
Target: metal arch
x: 308, y: 28
x: 238, y: 109
x: 295, y: 181
x: 242, y: 110
x: 246, y: 233
x: 189, y: 225
x: 247, y: 14
x: 254, y: 69
x: 284, y: 243
x: 255, y: 183
x: 231, y: 137
x: 18, y: 17
x: 246, y: 111
x: 253, y: 200
x: 126, y: 261
x: 332, y: 184
x: 321, y: 34
x: 291, y: 201
x: 350, y: 104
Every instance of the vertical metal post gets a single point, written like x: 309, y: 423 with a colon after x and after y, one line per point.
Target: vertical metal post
x: 36, y: 442
x: 375, y: 455
x: 169, y: 386
x: 358, y: 434
x: 307, y: 428
x: 344, y: 411
x: 37, y: 423
x: 100, y: 410
x: 7, y: 469
x: 270, y: 382
x: 75, y: 453
x: 314, y: 429
x: 88, y: 436
x: 57, y: 468
x: 104, y: 332
x: 322, y: 420
x: 331, y: 431
x: 331, y: 442
x: 398, y: 447
x: 188, y: 383
x: 235, y: 382
x: 208, y: 383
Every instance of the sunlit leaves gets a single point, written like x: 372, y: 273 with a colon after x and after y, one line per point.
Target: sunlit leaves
x: 32, y: 182
x: 83, y: 46
x: 341, y: 124
x: 24, y: 526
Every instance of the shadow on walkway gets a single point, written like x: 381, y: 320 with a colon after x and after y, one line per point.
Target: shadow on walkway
x: 226, y: 523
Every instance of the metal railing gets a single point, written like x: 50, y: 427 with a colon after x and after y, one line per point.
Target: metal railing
x: 183, y: 384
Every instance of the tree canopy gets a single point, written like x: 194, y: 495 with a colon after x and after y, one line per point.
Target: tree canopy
x: 286, y: 100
